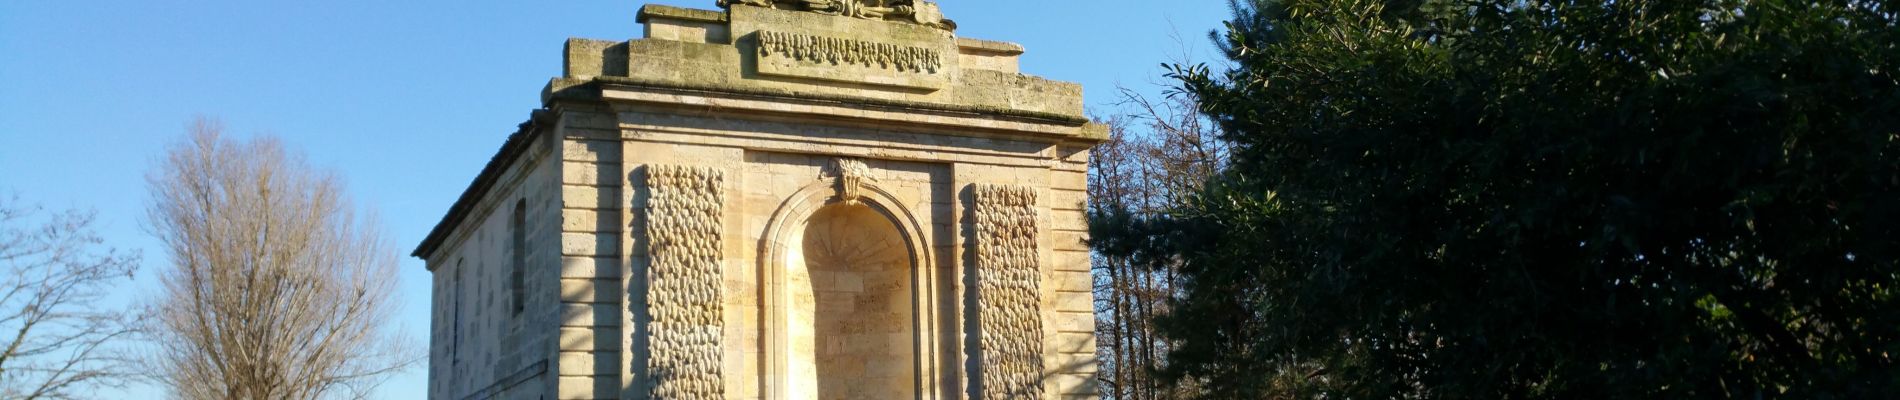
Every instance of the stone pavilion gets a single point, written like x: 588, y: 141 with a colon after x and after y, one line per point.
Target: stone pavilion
x: 782, y: 199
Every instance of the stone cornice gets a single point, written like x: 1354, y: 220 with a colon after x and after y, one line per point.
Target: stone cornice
x: 650, y: 11
x: 589, y: 89
x: 990, y: 46
x: 1061, y: 128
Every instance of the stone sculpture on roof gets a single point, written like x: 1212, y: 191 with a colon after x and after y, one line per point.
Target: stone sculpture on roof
x: 916, y: 11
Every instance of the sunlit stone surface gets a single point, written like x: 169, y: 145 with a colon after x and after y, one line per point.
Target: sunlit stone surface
x: 853, y: 326
x: 777, y: 200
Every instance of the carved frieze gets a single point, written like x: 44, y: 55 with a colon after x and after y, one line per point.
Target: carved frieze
x: 684, y: 229
x: 828, y: 51
x: 806, y: 56
x: 1008, y: 280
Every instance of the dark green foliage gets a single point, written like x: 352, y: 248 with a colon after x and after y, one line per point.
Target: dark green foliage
x: 1542, y: 199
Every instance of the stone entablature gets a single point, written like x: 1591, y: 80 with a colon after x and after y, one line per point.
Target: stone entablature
x: 806, y: 199
x: 699, y: 49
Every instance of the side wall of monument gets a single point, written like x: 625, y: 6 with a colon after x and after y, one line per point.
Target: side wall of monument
x: 497, y: 351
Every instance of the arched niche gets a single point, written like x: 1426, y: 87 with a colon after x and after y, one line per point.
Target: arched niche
x: 849, y: 303
x: 850, y: 322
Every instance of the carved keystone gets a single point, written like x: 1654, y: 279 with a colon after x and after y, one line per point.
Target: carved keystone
x: 851, y: 174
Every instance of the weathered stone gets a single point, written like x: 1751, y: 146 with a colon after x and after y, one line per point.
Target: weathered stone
x: 1008, y: 292
x: 684, y: 285
x: 585, y: 315
x: 598, y: 363
x: 596, y: 291
x: 788, y: 199
x: 590, y: 339
x: 586, y: 388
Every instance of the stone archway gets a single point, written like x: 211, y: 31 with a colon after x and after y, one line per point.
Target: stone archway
x: 851, y: 325
x: 843, y: 263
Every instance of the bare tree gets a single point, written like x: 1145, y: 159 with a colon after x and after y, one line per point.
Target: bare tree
x: 59, y: 341
x: 1160, y: 153
x: 277, y: 289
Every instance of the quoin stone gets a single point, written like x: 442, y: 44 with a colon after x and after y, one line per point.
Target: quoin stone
x: 779, y: 199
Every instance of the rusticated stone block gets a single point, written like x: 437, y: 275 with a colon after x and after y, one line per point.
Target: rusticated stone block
x: 1008, y: 292
x: 684, y: 293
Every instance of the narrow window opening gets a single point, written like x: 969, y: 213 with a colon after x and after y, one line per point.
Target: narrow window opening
x: 518, y: 249
x: 455, y: 326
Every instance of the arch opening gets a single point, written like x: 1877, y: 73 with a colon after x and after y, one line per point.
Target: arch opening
x: 851, y: 310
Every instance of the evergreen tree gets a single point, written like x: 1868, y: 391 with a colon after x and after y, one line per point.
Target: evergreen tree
x: 1541, y: 199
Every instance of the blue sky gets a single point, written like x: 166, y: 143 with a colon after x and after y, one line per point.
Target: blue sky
x: 405, y: 99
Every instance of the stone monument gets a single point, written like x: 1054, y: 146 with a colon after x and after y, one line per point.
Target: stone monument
x: 786, y: 199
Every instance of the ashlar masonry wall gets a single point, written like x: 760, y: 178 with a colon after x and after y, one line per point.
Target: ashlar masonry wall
x: 480, y: 346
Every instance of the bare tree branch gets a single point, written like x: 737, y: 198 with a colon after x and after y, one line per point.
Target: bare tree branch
x: 1159, y: 153
x: 58, y: 342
